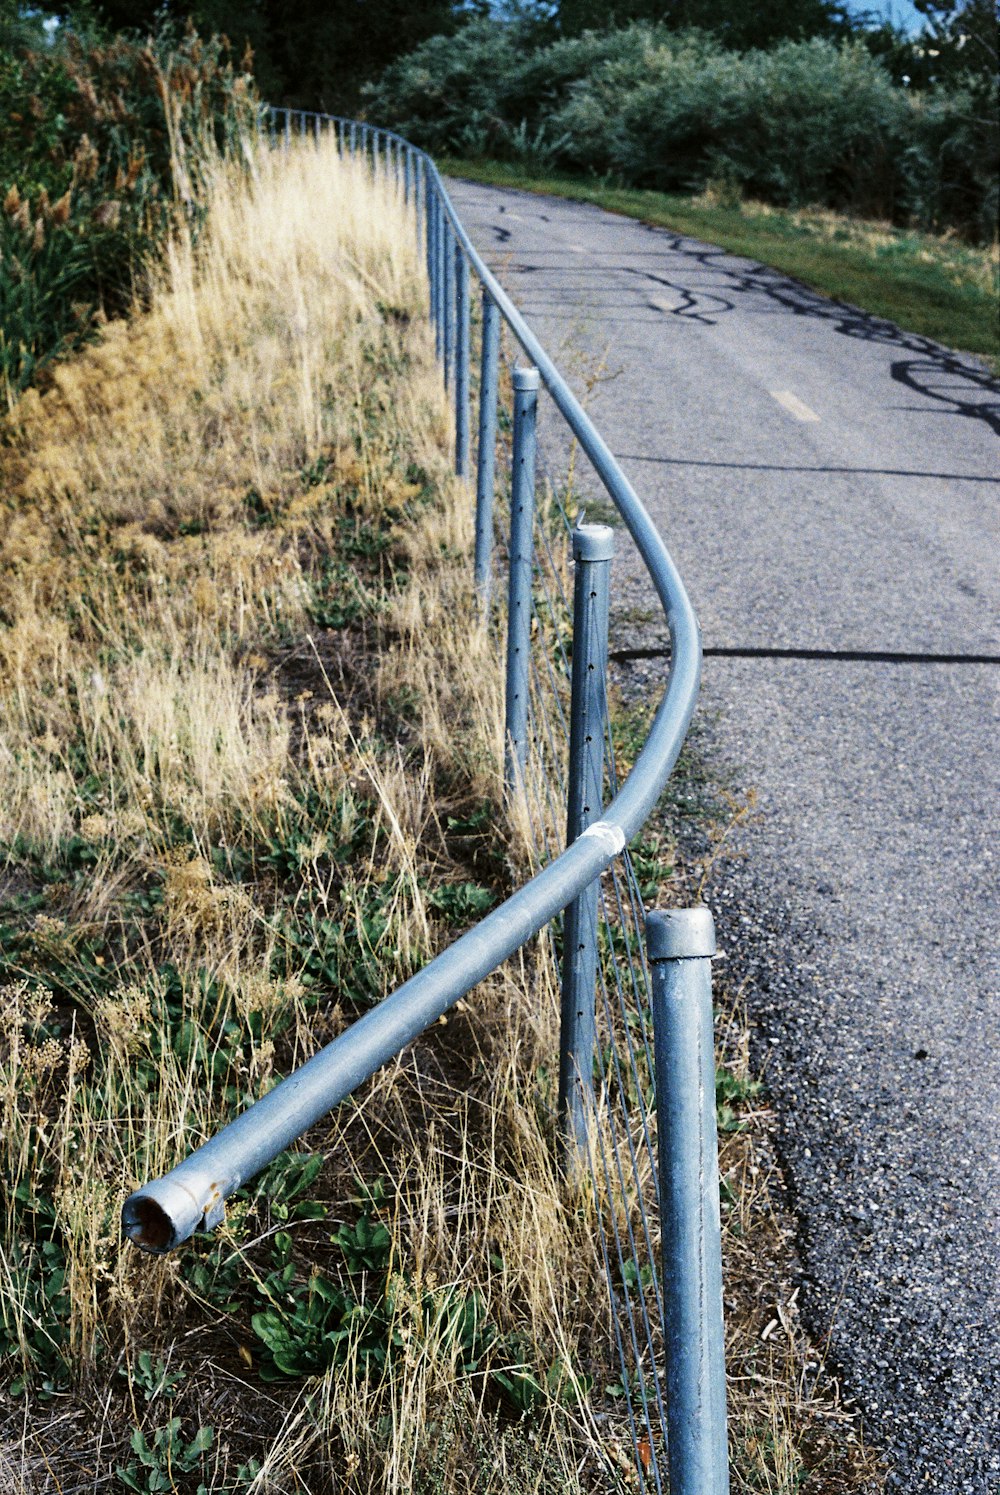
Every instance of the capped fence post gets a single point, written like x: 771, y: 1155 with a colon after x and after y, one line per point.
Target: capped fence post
x: 439, y: 280
x: 521, y: 564
x: 415, y: 192
x: 461, y: 362
x: 486, y: 456
x: 416, y: 178
x: 593, y: 551
x: 428, y: 195
x: 680, y: 944
x: 439, y: 257
x: 428, y: 199
x: 449, y: 299
x: 432, y: 273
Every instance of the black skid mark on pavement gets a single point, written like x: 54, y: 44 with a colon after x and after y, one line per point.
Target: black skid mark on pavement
x: 502, y: 234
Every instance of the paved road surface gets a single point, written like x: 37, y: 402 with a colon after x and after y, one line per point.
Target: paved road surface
x: 827, y: 482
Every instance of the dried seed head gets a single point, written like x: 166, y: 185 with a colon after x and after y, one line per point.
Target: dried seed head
x: 107, y: 214
x: 12, y: 201
x: 85, y: 160
x: 38, y: 237
x: 60, y: 210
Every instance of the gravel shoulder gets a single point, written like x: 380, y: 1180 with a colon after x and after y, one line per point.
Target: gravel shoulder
x: 826, y: 482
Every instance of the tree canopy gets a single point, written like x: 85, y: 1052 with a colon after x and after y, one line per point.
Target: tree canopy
x: 315, y: 53
x: 739, y: 24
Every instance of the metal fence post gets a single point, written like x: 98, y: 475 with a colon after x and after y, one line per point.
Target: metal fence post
x: 593, y: 550
x: 486, y: 456
x: 428, y: 197
x: 442, y: 281
x: 449, y: 300
x: 461, y: 362
x: 288, y: 128
x: 433, y: 273
x: 521, y: 563
x: 680, y: 944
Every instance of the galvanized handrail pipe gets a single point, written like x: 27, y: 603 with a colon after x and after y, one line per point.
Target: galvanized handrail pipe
x: 167, y: 1211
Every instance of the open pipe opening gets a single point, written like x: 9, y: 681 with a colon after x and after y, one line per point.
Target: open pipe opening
x: 148, y: 1225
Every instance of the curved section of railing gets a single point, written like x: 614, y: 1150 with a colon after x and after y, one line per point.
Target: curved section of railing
x: 163, y: 1213
x: 608, y: 1124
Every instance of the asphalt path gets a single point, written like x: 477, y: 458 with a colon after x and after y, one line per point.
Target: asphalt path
x: 828, y: 486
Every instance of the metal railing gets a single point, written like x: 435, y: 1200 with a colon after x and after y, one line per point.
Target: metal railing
x: 636, y: 1054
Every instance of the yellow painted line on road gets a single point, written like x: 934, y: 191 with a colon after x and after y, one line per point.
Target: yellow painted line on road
x: 793, y: 404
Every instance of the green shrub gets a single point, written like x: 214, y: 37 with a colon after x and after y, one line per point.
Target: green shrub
x: 99, y: 143
x: 805, y: 122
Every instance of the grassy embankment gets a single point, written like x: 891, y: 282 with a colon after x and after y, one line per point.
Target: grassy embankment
x: 934, y: 286
x: 249, y: 766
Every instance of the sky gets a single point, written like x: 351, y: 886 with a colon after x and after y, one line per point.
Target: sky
x: 900, y: 12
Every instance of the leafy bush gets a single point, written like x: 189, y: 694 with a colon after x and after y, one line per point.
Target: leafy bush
x: 98, y: 144
x: 806, y: 122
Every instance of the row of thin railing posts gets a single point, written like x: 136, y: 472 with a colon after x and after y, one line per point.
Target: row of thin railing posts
x: 636, y: 1031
